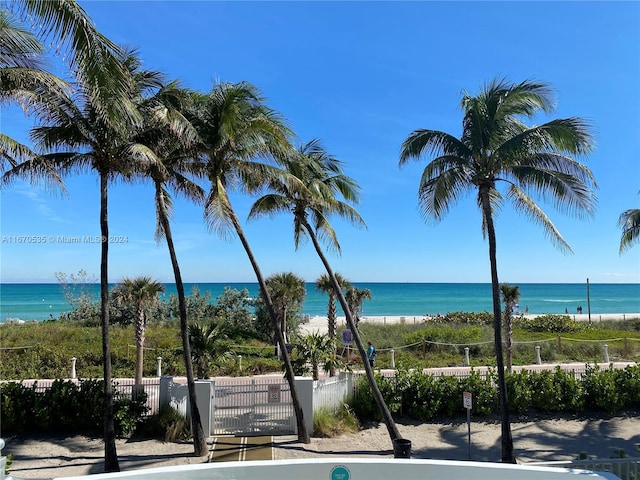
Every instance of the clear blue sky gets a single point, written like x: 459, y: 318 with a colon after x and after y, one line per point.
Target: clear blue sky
x: 361, y: 76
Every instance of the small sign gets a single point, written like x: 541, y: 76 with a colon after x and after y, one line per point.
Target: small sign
x: 340, y: 473
x: 347, y: 337
x: 467, y: 400
x: 274, y: 394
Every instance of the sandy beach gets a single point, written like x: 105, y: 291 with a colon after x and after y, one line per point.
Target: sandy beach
x: 318, y: 323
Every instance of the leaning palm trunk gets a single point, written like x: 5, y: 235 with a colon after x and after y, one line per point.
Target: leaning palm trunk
x: 392, y: 428
x: 110, y: 453
x: 507, y: 440
x: 199, y: 441
x: 303, y: 435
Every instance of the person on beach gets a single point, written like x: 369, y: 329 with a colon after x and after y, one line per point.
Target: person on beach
x: 371, y: 354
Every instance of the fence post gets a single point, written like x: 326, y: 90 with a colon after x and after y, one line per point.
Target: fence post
x: 466, y: 356
x: 606, y: 353
x: 159, y: 366
x: 393, y: 358
x: 240, y: 362
x: 538, y: 359
x: 73, y: 367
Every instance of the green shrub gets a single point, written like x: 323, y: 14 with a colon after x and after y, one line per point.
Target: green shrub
x: 601, y: 391
x: 550, y: 323
x: 328, y: 423
x: 168, y: 424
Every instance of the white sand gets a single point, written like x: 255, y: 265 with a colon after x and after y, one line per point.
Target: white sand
x: 319, y: 324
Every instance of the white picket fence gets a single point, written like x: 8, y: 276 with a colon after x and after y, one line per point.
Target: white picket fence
x: 331, y: 393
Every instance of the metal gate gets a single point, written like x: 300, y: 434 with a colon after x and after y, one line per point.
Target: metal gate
x: 252, y: 406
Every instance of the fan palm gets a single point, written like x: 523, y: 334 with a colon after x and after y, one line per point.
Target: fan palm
x: 312, y: 200
x: 207, y: 342
x: 495, y: 147
x: 510, y: 297
x: 141, y: 292
x: 629, y: 221
x: 235, y: 128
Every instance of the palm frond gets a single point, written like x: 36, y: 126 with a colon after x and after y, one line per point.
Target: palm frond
x: 629, y: 221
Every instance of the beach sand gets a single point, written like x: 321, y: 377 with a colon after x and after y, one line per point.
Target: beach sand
x: 319, y: 324
x: 535, y: 439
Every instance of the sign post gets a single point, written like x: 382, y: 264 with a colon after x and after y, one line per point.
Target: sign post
x: 467, y: 402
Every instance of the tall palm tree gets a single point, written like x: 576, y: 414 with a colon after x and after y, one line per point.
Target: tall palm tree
x: 510, y: 297
x: 355, y: 296
x: 141, y: 292
x: 235, y: 128
x: 323, y: 284
x: 80, y: 136
x: 287, y: 290
x: 87, y: 52
x: 24, y: 80
x: 495, y: 147
x: 163, y: 151
x: 629, y: 221
x: 312, y: 200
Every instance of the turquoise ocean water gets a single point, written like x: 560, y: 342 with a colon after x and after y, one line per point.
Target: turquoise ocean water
x: 40, y: 301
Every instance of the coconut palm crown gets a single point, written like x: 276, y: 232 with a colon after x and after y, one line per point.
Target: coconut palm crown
x: 497, y: 148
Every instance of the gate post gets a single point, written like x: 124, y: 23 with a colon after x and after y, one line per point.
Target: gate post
x: 304, y: 386
x: 163, y: 394
x: 203, y: 399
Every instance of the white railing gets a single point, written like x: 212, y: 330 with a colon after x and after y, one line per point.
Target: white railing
x: 333, y: 392
x: 625, y: 468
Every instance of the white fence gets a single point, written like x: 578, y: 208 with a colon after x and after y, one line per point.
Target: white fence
x: 333, y: 392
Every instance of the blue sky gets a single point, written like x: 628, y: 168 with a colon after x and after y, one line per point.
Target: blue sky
x: 361, y: 76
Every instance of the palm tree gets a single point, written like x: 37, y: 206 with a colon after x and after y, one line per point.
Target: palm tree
x: 323, y: 284
x: 629, y: 221
x: 141, y: 292
x: 355, y: 296
x: 313, y: 199
x: 162, y: 149
x: 510, y: 297
x: 235, y: 127
x: 317, y: 349
x: 287, y: 292
x: 88, y: 53
x: 208, y: 342
x: 80, y: 136
x: 496, y: 146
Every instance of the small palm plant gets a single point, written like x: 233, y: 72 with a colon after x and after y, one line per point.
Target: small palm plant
x: 209, y: 342
x: 318, y: 350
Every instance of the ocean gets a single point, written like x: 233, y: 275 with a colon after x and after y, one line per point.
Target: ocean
x: 42, y: 301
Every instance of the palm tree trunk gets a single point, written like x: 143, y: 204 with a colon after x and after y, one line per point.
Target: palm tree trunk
x: 507, y: 440
x: 139, y: 347
x: 110, y: 453
x: 331, y: 319
x: 392, y: 428
x: 303, y: 434
x: 199, y: 442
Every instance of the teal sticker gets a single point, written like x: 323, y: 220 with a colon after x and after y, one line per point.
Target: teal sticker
x: 340, y: 473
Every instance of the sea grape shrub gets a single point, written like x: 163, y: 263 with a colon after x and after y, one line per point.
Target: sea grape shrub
x: 463, y: 318
x: 485, y: 397
x: 612, y: 390
x: 550, y: 324
x: 18, y: 407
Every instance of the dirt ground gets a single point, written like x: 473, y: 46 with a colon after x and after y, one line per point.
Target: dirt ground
x: 535, y: 439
